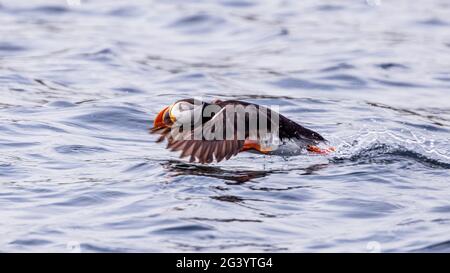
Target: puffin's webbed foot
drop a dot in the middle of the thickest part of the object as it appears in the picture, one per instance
(317, 150)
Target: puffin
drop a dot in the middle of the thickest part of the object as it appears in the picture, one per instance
(217, 130)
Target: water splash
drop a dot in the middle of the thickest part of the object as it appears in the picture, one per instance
(383, 146)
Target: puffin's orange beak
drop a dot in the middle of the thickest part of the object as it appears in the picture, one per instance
(159, 120)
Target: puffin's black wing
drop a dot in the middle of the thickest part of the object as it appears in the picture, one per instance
(206, 143)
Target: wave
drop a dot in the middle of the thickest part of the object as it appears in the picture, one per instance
(383, 153)
(442, 247)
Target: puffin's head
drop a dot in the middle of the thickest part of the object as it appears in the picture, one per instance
(181, 112)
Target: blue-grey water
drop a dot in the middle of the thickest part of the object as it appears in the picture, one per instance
(81, 82)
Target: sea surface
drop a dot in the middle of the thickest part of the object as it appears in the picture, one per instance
(82, 81)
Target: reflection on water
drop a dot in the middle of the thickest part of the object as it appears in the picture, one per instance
(177, 168)
(180, 169)
(81, 85)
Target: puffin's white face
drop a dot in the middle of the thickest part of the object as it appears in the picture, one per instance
(182, 112)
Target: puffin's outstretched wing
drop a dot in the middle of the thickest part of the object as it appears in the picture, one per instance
(208, 142)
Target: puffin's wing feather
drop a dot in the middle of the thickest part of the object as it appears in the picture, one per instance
(213, 142)
(163, 133)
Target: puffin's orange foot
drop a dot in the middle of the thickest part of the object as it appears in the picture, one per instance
(317, 150)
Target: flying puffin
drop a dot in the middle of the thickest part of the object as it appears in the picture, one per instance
(221, 129)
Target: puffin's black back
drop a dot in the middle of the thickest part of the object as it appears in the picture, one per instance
(288, 129)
